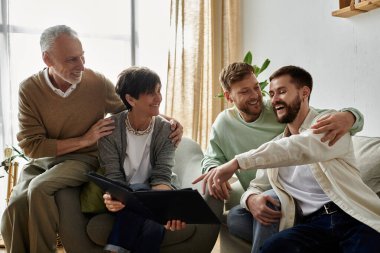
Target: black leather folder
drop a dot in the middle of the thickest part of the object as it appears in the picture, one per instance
(186, 205)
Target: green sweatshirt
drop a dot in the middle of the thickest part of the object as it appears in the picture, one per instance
(231, 135)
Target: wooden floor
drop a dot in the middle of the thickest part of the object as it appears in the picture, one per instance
(215, 250)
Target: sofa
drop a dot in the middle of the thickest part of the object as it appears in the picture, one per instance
(367, 152)
(81, 232)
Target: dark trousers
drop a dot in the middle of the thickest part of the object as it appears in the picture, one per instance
(134, 233)
(336, 232)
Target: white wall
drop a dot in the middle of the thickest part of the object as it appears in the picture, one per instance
(343, 55)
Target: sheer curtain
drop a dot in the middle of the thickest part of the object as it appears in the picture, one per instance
(7, 126)
(205, 36)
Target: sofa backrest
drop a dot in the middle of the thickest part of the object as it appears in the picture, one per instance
(367, 153)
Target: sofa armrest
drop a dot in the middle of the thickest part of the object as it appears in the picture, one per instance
(367, 153)
(73, 223)
(187, 166)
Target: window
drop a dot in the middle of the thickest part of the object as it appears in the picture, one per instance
(104, 28)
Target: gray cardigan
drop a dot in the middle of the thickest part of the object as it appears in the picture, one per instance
(112, 150)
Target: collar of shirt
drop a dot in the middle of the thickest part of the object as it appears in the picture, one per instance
(56, 90)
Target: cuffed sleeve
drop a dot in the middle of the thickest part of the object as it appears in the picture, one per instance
(258, 185)
(359, 120)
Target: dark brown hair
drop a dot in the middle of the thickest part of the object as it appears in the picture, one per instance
(234, 72)
(135, 81)
(299, 76)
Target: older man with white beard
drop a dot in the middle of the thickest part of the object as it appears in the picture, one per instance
(61, 118)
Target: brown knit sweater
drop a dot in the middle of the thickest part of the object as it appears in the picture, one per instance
(45, 117)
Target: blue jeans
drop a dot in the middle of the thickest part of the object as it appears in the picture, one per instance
(337, 232)
(241, 223)
(134, 233)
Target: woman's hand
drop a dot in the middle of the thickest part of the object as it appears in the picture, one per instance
(175, 225)
(161, 187)
(112, 205)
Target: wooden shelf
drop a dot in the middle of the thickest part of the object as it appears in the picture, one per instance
(352, 10)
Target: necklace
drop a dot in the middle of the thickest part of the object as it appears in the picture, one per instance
(138, 132)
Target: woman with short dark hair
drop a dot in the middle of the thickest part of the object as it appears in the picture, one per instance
(139, 153)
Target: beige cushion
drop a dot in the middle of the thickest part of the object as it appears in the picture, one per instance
(91, 197)
(367, 153)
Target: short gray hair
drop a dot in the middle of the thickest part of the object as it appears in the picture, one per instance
(49, 35)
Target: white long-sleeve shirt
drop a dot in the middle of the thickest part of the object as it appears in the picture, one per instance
(332, 166)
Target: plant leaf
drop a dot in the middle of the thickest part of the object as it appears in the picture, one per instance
(264, 66)
(5, 165)
(256, 70)
(20, 153)
(263, 85)
(248, 58)
(15, 149)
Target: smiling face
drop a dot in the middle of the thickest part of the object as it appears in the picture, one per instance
(287, 100)
(246, 96)
(147, 104)
(65, 60)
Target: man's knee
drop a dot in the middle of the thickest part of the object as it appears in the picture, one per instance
(271, 193)
(37, 188)
(239, 223)
(236, 214)
(67, 173)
